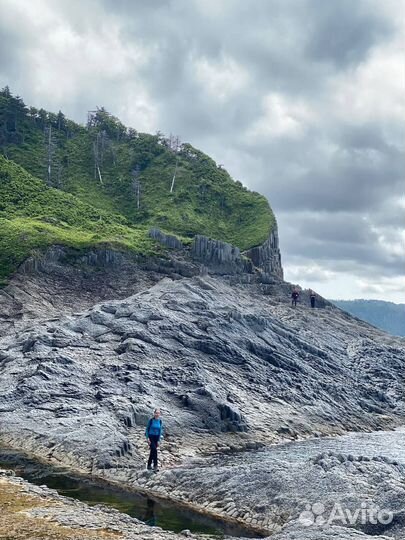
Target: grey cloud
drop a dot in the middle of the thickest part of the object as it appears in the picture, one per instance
(344, 31)
(391, 213)
(362, 137)
(357, 176)
(320, 181)
(337, 228)
(14, 45)
(341, 240)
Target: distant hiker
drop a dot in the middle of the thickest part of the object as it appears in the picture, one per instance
(294, 297)
(153, 434)
(312, 296)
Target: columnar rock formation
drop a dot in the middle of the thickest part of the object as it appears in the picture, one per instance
(267, 257)
(224, 258)
(218, 256)
(167, 240)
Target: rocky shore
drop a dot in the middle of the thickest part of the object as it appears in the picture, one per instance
(234, 369)
(271, 491)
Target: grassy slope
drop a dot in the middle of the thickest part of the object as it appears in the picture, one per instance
(34, 216)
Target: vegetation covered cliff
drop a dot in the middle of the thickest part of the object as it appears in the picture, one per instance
(61, 182)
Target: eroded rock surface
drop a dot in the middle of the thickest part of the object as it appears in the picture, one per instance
(217, 359)
(302, 487)
(64, 281)
(232, 367)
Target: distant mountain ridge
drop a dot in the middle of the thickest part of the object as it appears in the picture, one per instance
(385, 315)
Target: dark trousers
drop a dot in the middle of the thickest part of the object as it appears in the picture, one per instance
(154, 439)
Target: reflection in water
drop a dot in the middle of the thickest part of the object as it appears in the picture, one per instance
(169, 516)
(150, 517)
(389, 444)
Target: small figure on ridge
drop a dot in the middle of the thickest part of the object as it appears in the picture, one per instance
(294, 296)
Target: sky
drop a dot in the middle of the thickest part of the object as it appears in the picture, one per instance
(301, 100)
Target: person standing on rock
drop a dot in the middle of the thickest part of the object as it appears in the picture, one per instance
(294, 297)
(154, 433)
(312, 296)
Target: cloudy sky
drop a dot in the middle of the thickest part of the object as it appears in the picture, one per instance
(302, 100)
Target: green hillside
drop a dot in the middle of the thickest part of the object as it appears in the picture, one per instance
(34, 216)
(105, 169)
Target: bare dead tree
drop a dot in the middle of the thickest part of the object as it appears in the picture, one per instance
(136, 184)
(59, 175)
(91, 118)
(104, 144)
(50, 151)
(100, 143)
(96, 160)
(174, 145)
(49, 155)
(174, 175)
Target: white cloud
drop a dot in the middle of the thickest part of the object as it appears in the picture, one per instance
(308, 274)
(281, 117)
(222, 79)
(373, 89)
(385, 288)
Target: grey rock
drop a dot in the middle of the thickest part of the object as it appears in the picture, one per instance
(266, 354)
(167, 240)
(218, 255)
(223, 356)
(267, 257)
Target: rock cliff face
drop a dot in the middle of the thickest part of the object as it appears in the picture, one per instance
(267, 257)
(224, 258)
(219, 257)
(167, 240)
(65, 281)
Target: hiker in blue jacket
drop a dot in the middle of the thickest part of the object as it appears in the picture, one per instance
(153, 434)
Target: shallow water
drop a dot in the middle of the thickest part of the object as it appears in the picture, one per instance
(389, 444)
(152, 511)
